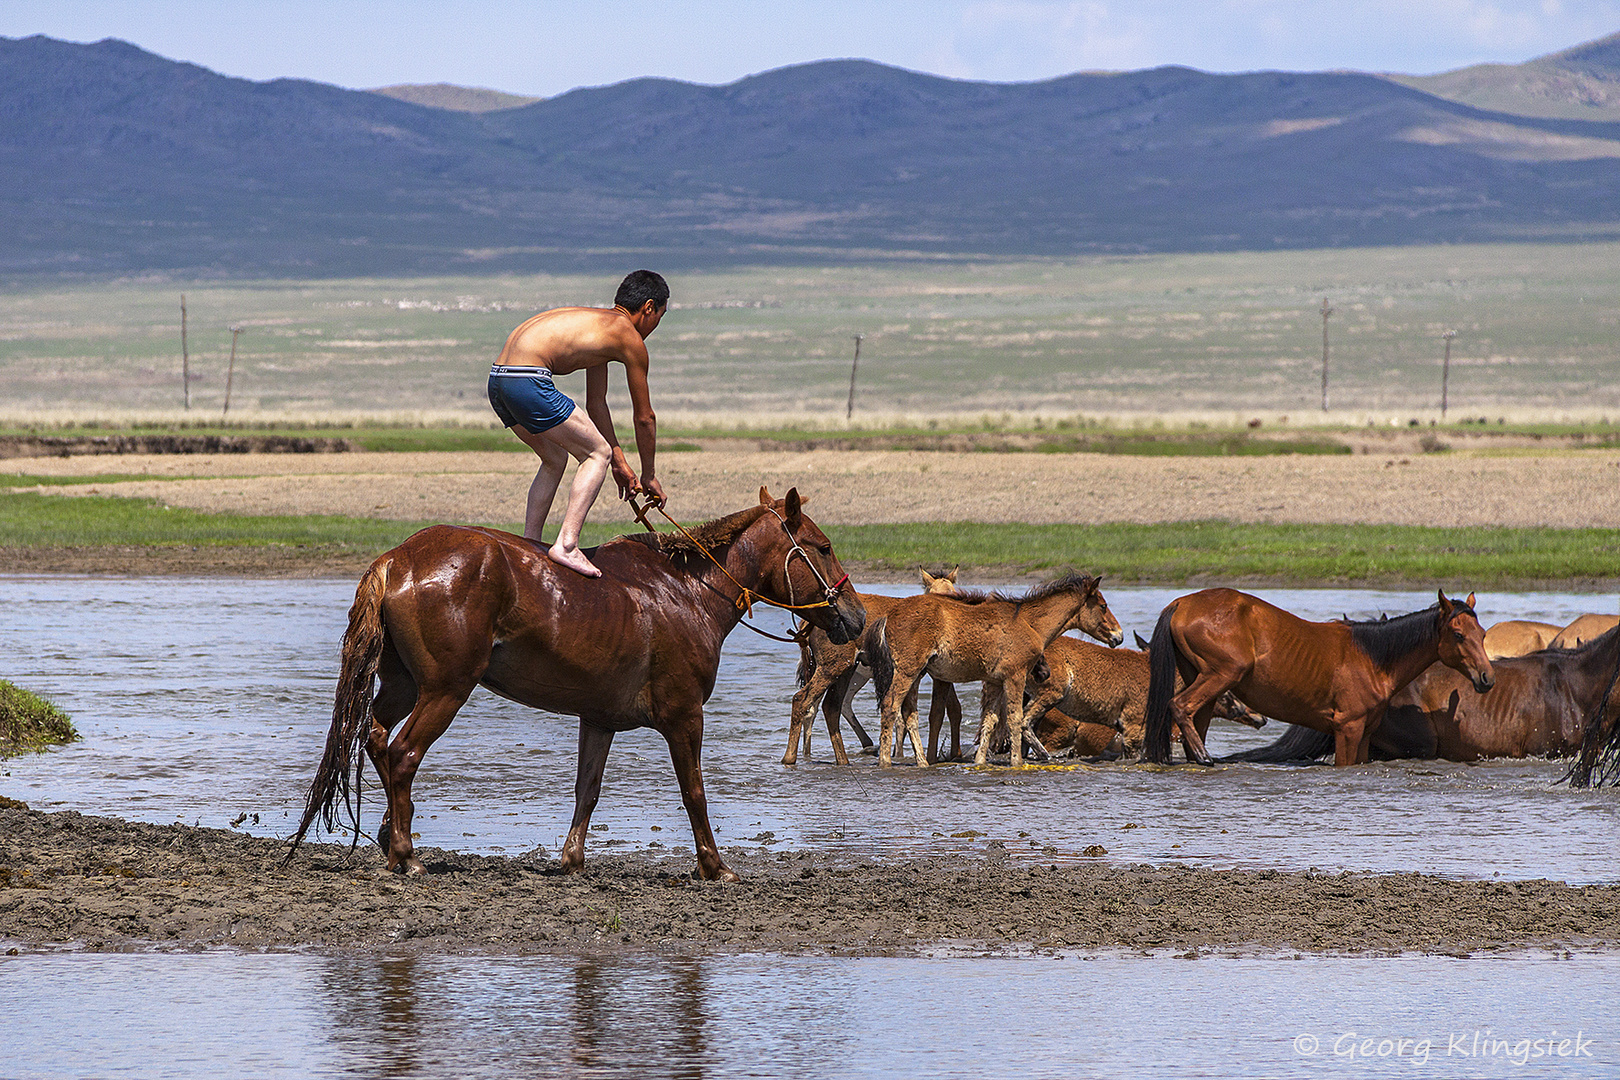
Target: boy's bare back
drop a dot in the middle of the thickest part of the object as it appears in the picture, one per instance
(565, 340)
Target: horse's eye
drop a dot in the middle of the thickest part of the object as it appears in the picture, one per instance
(826, 549)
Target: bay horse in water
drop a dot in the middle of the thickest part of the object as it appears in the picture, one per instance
(1335, 677)
(1541, 706)
(975, 637)
(453, 608)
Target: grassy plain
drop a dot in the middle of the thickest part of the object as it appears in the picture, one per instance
(1172, 553)
(1215, 338)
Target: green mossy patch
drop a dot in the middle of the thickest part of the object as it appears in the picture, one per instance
(30, 724)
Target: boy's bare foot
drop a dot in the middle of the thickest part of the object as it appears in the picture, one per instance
(574, 559)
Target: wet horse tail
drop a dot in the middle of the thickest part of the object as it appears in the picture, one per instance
(351, 713)
(1161, 688)
(1297, 744)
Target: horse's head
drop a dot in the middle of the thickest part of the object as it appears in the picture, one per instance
(1462, 642)
(943, 585)
(1094, 619)
(798, 567)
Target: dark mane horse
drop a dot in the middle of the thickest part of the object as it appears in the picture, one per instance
(1542, 705)
(453, 608)
(1335, 677)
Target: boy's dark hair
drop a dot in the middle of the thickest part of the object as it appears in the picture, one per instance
(640, 286)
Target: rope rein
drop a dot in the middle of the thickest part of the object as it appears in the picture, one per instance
(746, 596)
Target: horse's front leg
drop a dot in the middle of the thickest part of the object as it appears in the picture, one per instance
(990, 710)
(1012, 696)
(685, 737)
(594, 743)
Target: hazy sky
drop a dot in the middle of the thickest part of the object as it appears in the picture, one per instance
(544, 47)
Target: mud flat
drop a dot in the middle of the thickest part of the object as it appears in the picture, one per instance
(106, 883)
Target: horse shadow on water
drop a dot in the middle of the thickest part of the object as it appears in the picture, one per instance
(454, 607)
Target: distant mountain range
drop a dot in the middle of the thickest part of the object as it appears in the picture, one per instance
(114, 160)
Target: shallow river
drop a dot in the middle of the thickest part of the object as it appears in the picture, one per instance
(203, 700)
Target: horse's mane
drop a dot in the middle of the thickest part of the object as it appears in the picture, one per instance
(714, 535)
(1385, 640)
(1065, 583)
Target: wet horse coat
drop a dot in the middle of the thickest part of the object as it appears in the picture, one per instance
(1336, 677)
(453, 608)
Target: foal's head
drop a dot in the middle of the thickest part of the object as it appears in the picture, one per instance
(1462, 642)
(1094, 619)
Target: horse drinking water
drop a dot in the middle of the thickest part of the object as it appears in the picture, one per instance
(453, 608)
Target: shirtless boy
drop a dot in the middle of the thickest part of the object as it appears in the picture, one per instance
(560, 342)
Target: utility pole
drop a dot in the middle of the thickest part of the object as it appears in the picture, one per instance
(1327, 312)
(236, 331)
(849, 410)
(1445, 372)
(185, 357)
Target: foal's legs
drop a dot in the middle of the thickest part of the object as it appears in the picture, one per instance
(594, 743)
(836, 698)
(804, 710)
(685, 738)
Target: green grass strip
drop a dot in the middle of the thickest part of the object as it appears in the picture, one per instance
(1170, 553)
(1177, 552)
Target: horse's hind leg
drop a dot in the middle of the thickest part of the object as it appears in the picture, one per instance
(396, 697)
(594, 743)
(432, 714)
(812, 693)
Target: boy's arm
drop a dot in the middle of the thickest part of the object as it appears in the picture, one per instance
(646, 421)
(596, 407)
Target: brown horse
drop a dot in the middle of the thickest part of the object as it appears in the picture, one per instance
(1541, 706)
(1584, 629)
(453, 608)
(1096, 695)
(828, 674)
(1335, 676)
(975, 637)
(1516, 637)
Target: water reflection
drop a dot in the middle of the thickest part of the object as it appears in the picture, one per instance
(408, 1016)
(717, 1017)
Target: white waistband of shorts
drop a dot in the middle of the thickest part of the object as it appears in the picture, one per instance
(514, 369)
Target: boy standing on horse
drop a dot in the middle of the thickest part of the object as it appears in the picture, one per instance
(560, 342)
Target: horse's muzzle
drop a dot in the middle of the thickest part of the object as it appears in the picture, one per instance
(849, 621)
(1483, 682)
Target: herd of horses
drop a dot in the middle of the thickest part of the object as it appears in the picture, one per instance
(456, 607)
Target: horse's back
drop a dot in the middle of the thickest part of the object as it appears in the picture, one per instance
(1584, 629)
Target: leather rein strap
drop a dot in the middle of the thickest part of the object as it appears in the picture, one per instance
(746, 596)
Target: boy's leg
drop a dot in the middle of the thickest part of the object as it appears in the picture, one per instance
(579, 437)
(553, 460)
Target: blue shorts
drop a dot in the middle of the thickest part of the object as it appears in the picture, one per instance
(531, 401)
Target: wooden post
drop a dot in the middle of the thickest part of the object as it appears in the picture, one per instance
(230, 372)
(849, 410)
(185, 357)
(1445, 372)
(1326, 312)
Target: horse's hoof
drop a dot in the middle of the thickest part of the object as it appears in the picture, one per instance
(414, 867)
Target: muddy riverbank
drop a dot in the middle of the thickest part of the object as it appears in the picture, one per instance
(106, 883)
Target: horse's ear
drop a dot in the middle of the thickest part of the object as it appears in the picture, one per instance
(927, 578)
(765, 496)
(1445, 604)
(1470, 599)
(950, 575)
(793, 504)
